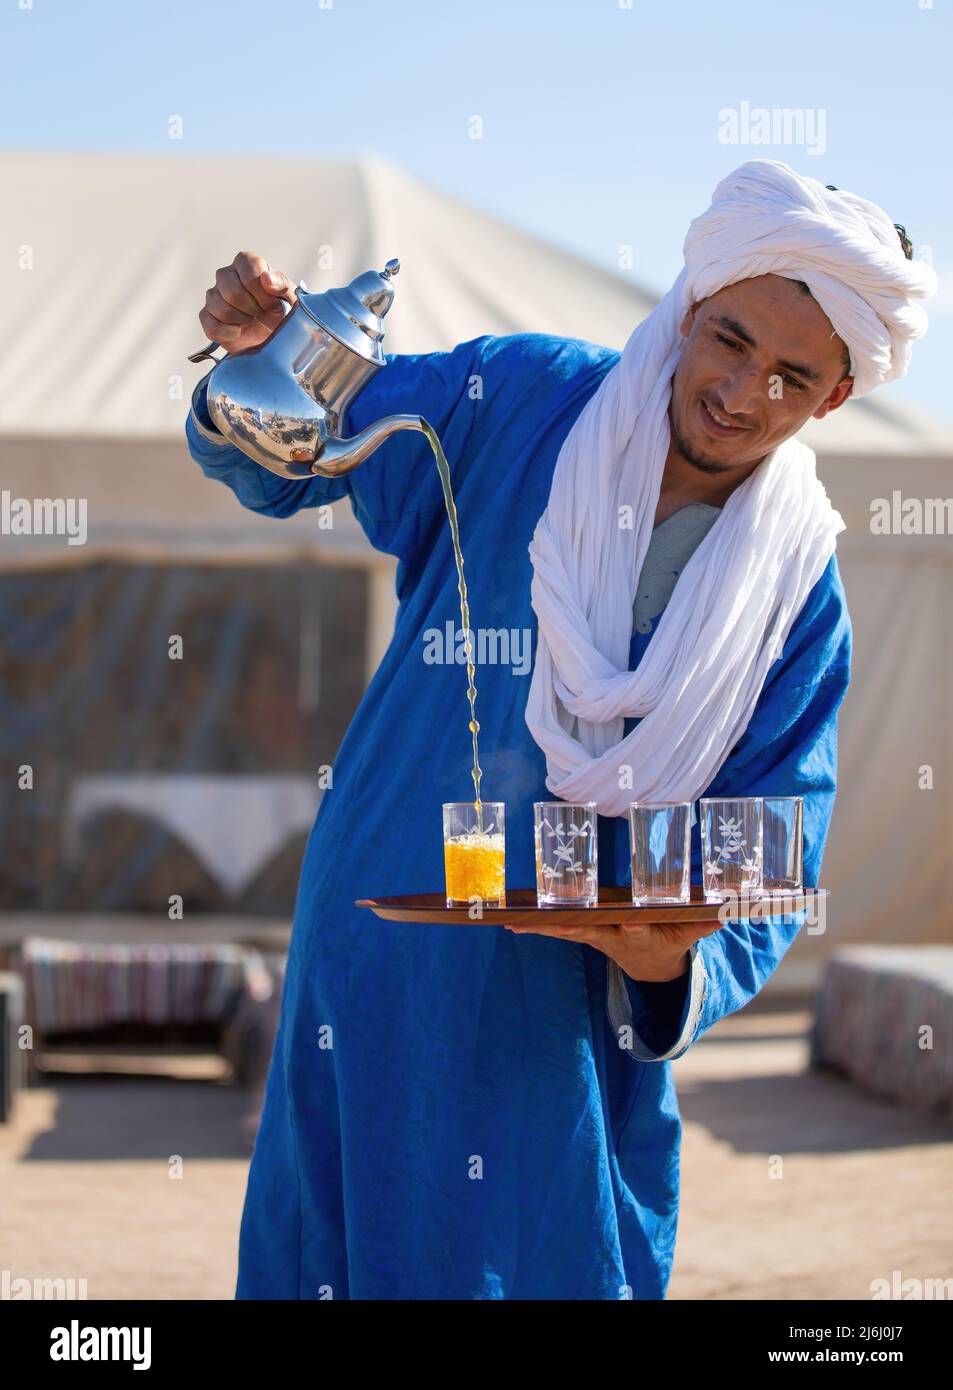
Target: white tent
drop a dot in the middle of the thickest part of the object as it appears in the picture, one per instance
(108, 259)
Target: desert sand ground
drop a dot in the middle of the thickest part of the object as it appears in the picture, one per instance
(85, 1190)
(865, 1185)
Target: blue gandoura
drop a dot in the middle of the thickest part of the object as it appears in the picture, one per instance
(469, 1113)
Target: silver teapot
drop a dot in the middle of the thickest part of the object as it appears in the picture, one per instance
(284, 402)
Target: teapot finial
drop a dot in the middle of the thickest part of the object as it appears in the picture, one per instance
(354, 314)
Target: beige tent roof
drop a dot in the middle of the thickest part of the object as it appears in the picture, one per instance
(114, 254)
(112, 257)
(124, 247)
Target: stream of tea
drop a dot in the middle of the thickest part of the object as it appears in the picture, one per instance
(475, 861)
(443, 468)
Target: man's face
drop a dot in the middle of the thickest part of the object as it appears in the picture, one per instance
(763, 356)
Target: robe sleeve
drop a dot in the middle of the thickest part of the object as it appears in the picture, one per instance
(395, 493)
(788, 749)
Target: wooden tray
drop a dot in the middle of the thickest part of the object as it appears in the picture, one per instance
(615, 908)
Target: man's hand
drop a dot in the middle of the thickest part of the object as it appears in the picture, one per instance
(652, 953)
(243, 309)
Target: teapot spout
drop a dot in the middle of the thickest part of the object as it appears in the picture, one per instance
(339, 456)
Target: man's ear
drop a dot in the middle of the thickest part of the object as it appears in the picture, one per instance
(836, 399)
(685, 327)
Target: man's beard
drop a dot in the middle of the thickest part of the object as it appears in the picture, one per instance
(692, 457)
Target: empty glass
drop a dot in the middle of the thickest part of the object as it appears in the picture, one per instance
(732, 846)
(567, 850)
(783, 843)
(474, 853)
(660, 844)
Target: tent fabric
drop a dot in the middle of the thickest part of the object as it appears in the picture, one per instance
(122, 340)
(128, 745)
(235, 825)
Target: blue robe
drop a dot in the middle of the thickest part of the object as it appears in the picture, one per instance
(478, 1128)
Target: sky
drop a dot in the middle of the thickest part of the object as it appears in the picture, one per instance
(600, 121)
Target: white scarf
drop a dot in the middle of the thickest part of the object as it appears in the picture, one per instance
(733, 606)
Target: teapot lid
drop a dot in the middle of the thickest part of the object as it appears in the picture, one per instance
(355, 314)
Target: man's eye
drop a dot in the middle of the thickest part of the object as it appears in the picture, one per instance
(792, 381)
(729, 342)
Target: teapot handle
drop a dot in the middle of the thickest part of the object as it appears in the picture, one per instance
(208, 352)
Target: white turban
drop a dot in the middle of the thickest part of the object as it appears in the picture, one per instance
(765, 219)
(733, 606)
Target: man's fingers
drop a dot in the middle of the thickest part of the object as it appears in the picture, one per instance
(701, 929)
(216, 331)
(611, 939)
(225, 312)
(565, 933)
(534, 931)
(278, 285)
(249, 269)
(230, 289)
(602, 937)
(676, 931)
(260, 282)
(599, 936)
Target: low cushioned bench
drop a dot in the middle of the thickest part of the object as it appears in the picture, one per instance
(884, 1017)
(105, 993)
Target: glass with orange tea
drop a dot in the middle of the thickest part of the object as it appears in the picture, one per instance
(474, 853)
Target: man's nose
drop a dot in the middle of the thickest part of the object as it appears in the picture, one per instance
(743, 391)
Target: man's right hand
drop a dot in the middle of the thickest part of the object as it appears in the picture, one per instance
(242, 308)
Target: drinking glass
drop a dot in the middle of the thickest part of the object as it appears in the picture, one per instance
(783, 843)
(660, 844)
(474, 853)
(567, 852)
(732, 845)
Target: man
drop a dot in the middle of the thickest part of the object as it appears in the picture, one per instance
(477, 1113)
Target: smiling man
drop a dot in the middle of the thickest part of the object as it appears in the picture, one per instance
(756, 402)
(479, 1113)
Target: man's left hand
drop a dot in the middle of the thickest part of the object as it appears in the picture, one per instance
(652, 953)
